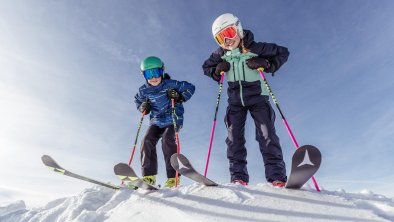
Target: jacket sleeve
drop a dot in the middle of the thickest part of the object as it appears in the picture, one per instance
(275, 54)
(185, 88)
(210, 64)
(139, 98)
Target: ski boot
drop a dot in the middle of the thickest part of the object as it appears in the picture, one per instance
(239, 182)
(171, 182)
(278, 183)
(150, 179)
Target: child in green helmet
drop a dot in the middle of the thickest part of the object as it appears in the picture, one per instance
(154, 98)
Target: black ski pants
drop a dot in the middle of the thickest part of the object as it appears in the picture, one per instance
(148, 149)
(264, 117)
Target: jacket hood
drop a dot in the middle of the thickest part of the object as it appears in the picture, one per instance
(248, 38)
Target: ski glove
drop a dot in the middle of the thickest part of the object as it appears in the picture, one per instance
(173, 94)
(257, 62)
(224, 66)
(145, 107)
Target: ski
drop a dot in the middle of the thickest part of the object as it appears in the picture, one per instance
(305, 162)
(51, 163)
(180, 163)
(127, 174)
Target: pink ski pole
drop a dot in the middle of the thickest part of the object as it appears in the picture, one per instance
(284, 120)
(214, 123)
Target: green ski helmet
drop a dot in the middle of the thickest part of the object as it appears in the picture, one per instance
(151, 62)
(152, 66)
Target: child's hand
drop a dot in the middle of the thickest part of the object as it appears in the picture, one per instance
(257, 62)
(173, 94)
(224, 66)
(145, 107)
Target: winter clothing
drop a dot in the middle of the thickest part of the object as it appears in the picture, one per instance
(173, 94)
(171, 182)
(247, 92)
(257, 62)
(144, 107)
(161, 121)
(149, 179)
(263, 116)
(161, 112)
(224, 21)
(224, 66)
(151, 62)
(148, 149)
(276, 55)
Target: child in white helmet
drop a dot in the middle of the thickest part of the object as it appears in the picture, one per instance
(239, 56)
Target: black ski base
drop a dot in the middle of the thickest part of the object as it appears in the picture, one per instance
(305, 162)
(127, 174)
(51, 163)
(181, 164)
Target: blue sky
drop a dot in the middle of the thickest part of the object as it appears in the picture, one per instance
(69, 71)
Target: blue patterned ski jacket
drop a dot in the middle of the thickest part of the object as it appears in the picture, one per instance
(161, 110)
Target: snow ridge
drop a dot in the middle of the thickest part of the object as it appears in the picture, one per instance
(193, 203)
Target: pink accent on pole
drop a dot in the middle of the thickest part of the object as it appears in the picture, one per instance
(210, 147)
(214, 125)
(291, 133)
(286, 124)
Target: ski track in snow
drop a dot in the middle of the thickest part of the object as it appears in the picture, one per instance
(193, 203)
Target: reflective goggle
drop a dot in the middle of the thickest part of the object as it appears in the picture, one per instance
(227, 33)
(153, 73)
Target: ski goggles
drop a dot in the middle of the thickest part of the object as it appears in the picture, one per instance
(227, 33)
(153, 73)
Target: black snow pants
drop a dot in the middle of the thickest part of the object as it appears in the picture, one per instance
(264, 117)
(148, 149)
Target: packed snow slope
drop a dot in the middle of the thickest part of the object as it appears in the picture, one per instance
(196, 203)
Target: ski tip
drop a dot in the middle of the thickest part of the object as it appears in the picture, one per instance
(124, 170)
(50, 162)
(45, 158)
(120, 166)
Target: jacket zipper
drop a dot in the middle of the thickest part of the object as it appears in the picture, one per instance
(234, 72)
(240, 84)
(243, 70)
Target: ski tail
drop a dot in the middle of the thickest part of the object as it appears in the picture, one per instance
(126, 173)
(181, 164)
(306, 161)
(51, 163)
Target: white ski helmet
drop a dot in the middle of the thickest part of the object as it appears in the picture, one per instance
(224, 21)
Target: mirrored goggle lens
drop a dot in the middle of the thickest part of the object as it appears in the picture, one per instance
(229, 33)
(153, 73)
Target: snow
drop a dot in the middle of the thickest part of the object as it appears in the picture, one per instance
(192, 203)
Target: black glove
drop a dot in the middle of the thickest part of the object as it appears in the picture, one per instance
(224, 66)
(173, 94)
(257, 62)
(145, 107)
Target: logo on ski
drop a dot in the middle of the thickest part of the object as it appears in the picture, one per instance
(181, 166)
(306, 160)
